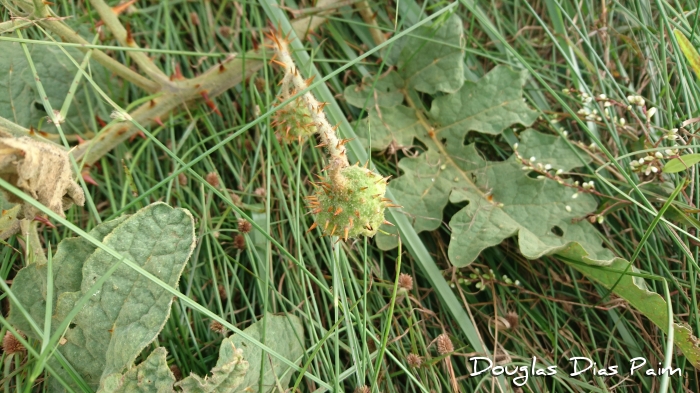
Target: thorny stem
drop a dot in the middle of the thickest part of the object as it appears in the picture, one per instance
(110, 19)
(210, 84)
(329, 139)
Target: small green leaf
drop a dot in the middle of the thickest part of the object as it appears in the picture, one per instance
(681, 163)
(689, 51)
(151, 376)
(432, 58)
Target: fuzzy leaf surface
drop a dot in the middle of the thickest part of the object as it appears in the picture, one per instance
(226, 376)
(283, 334)
(151, 376)
(19, 97)
(129, 311)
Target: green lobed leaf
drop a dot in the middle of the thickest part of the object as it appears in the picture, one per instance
(129, 311)
(151, 376)
(634, 290)
(20, 101)
(432, 58)
(681, 163)
(502, 201)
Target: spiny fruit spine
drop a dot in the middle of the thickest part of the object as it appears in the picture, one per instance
(349, 201)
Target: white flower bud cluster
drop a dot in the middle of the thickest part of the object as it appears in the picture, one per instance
(636, 100)
(651, 164)
(672, 134)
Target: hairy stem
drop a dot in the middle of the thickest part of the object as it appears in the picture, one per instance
(329, 139)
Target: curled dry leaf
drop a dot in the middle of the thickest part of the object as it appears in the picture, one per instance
(42, 170)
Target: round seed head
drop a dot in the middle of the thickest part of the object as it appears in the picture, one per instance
(405, 282)
(213, 179)
(244, 226)
(444, 344)
(414, 360)
(10, 344)
(353, 208)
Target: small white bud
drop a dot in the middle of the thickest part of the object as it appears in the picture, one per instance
(658, 155)
(568, 208)
(533, 159)
(641, 161)
(622, 121)
(540, 177)
(547, 167)
(515, 146)
(565, 133)
(600, 219)
(602, 97)
(650, 113)
(560, 171)
(574, 195)
(654, 169)
(526, 168)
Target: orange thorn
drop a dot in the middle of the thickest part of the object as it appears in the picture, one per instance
(279, 63)
(312, 227)
(388, 223)
(345, 233)
(129, 37)
(119, 9)
(308, 81)
(325, 226)
(88, 179)
(338, 211)
(158, 121)
(335, 226)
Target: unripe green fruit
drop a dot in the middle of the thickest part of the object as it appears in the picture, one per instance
(294, 122)
(354, 207)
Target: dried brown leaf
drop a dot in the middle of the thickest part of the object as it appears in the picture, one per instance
(42, 170)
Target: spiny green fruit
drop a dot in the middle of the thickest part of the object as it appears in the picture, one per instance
(353, 208)
(293, 122)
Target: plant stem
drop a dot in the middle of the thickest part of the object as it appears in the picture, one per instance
(369, 18)
(329, 139)
(110, 19)
(213, 82)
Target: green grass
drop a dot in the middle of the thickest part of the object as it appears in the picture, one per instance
(360, 329)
